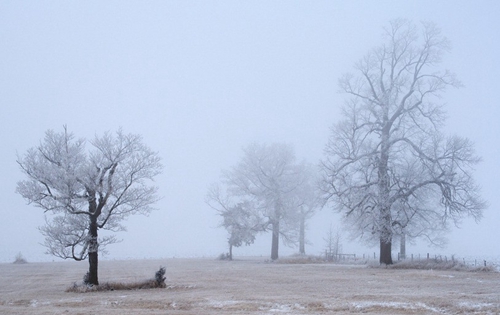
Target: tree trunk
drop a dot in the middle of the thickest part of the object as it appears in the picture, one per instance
(230, 251)
(93, 252)
(385, 236)
(402, 246)
(275, 242)
(385, 252)
(384, 205)
(302, 236)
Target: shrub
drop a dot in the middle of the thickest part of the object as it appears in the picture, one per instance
(20, 259)
(224, 256)
(86, 278)
(160, 277)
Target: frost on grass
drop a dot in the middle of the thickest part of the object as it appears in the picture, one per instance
(364, 306)
(222, 304)
(473, 306)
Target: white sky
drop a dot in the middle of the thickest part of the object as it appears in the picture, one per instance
(201, 79)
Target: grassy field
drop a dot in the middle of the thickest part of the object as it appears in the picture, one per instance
(249, 286)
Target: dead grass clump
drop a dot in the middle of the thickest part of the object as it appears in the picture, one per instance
(157, 282)
(224, 256)
(312, 259)
(114, 286)
(301, 259)
(317, 307)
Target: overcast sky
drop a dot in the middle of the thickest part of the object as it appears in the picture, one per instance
(199, 80)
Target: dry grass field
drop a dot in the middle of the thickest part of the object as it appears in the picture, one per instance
(252, 286)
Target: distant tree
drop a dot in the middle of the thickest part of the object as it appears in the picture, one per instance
(263, 186)
(88, 190)
(307, 199)
(387, 165)
(241, 221)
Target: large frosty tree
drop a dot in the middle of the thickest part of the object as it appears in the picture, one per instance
(83, 191)
(261, 192)
(388, 168)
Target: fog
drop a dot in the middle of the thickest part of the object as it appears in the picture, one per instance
(199, 80)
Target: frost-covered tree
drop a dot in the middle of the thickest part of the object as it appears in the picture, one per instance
(387, 165)
(242, 224)
(307, 199)
(83, 191)
(241, 220)
(265, 182)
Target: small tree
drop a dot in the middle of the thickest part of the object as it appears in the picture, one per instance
(84, 191)
(333, 244)
(240, 220)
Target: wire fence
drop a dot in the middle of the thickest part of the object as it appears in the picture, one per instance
(466, 260)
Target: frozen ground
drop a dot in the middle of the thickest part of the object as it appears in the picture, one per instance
(251, 286)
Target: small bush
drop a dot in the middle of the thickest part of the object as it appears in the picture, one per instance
(160, 277)
(20, 259)
(224, 256)
(301, 259)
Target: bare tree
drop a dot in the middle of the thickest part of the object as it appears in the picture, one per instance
(265, 181)
(84, 191)
(333, 244)
(388, 167)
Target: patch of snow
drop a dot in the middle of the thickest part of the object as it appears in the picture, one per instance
(395, 305)
(221, 304)
(429, 308)
(280, 308)
(475, 306)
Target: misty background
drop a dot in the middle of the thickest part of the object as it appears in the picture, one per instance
(199, 80)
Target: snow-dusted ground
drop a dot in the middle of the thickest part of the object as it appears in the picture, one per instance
(249, 286)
